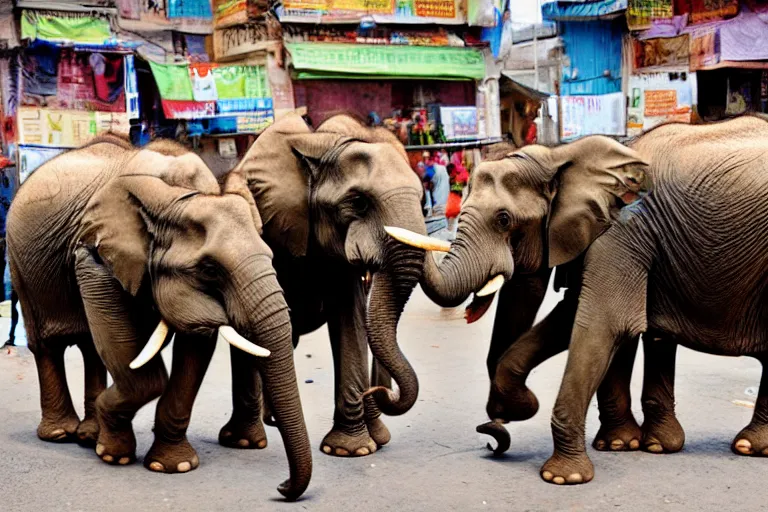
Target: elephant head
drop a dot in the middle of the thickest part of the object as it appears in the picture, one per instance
(332, 191)
(170, 233)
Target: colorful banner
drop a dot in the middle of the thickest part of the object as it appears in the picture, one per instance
(593, 115)
(380, 11)
(380, 35)
(325, 60)
(193, 16)
(237, 12)
(66, 128)
(662, 52)
(655, 98)
(173, 81)
(640, 13)
(65, 27)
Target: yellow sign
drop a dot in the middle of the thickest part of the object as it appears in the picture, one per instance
(370, 6)
(67, 128)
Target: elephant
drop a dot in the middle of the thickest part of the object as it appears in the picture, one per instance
(528, 211)
(106, 242)
(324, 197)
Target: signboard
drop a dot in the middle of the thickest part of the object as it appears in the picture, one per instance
(66, 128)
(460, 122)
(656, 98)
(326, 60)
(593, 115)
(242, 39)
(444, 12)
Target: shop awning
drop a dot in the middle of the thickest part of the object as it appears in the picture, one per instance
(359, 61)
(510, 81)
(581, 11)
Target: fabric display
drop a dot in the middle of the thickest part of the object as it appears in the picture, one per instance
(640, 13)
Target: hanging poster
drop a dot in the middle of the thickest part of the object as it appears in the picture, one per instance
(656, 98)
(173, 82)
(281, 85)
(379, 11)
(662, 52)
(66, 128)
(65, 27)
(640, 13)
(90, 81)
(459, 122)
(705, 46)
(593, 115)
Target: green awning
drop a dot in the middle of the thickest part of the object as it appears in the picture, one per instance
(358, 61)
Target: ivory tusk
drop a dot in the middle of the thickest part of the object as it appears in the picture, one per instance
(233, 338)
(152, 347)
(417, 240)
(491, 286)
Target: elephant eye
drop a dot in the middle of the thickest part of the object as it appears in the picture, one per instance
(359, 203)
(503, 220)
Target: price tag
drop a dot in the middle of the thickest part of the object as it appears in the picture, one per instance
(227, 148)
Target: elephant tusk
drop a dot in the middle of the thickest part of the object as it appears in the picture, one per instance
(233, 338)
(417, 240)
(152, 347)
(491, 286)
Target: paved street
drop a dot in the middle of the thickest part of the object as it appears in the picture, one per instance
(435, 461)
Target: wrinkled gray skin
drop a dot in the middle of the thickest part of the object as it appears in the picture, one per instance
(103, 242)
(325, 197)
(689, 261)
(527, 211)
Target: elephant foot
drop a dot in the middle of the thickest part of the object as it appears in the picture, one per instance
(752, 440)
(117, 448)
(166, 457)
(239, 434)
(571, 470)
(343, 444)
(59, 430)
(665, 435)
(378, 432)
(623, 437)
(88, 432)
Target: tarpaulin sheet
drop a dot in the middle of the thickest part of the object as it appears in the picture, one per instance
(358, 61)
(565, 11)
(745, 37)
(64, 27)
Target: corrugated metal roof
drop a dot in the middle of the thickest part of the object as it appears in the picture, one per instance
(573, 11)
(593, 51)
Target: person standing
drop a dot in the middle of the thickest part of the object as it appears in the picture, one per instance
(440, 189)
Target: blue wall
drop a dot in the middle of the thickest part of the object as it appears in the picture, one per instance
(592, 47)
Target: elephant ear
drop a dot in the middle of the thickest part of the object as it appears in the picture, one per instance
(118, 219)
(278, 168)
(593, 179)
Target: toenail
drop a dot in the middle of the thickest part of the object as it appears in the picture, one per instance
(156, 466)
(575, 478)
(195, 461)
(100, 449)
(57, 432)
(226, 434)
(617, 444)
(546, 475)
(654, 448)
(262, 443)
(634, 444)
(326, 449)
(362, 451)
(124, 461)
(244, 443)
(108, 458)
(183, 467)
(600, 444)
(342, 452)
(744, 446)
(559, 480)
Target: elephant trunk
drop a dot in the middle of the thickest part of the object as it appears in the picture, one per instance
(266, 314)
(474, 258)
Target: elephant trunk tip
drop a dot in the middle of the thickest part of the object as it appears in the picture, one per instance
(496, 430)
(290, 491)
(391, 403)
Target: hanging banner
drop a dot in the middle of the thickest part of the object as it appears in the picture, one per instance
(90, 81)
(662, 53)
(327, 60)
(173, 82)
(593, 115)
(705, 46)
(66, 128)
(656, 98)
(381, 35)
(379, 11)
(640, 13)
(192, 16)
(65, 27)
(281, 85)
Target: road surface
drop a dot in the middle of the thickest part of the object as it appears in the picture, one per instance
(435, 461)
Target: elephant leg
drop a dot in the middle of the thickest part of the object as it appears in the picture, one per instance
(245, 429)
(753, 439)
(662, 433)
(376, 428)
(118, 335)
(95, 384)
(171, 451)
(59, 422)
(619, 430)
(349, 435)
(519, 302)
